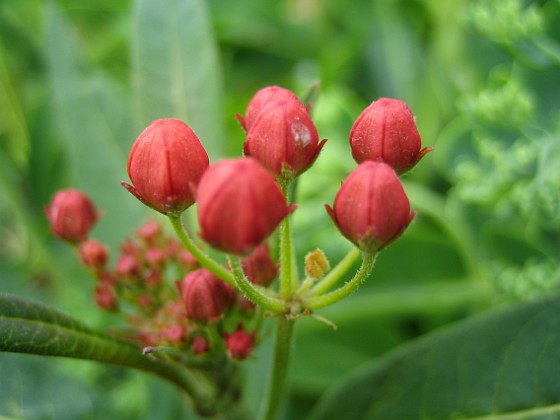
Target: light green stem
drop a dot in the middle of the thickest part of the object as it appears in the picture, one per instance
(196, 252)
(288, 271)
(334, 276)
(277, 383)
(317, 302)
(250, 291)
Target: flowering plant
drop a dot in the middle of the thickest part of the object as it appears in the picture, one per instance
(226, 278)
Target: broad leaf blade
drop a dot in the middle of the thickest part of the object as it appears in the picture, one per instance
(31, 327)
(176, 69)
(504, 365)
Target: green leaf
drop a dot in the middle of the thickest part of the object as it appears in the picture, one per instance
(503, 365)
(176, 70)
(30, 327)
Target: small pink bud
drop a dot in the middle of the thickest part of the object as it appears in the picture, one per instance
(283, 137)
(105, 296)
(71, 215)
(172, 334)
(259, 267)
(199, 345)
(155, 257)
(163, 163)
(262, 99)
(93, 254)
(239, 344)
(386, 131)
(149, 231)
(239, 205)
(128, 265)
(205, 296)
(371, 208)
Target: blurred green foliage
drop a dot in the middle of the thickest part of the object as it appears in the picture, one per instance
(80, 79)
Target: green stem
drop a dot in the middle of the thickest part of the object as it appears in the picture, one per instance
(288, 267)
(317, 302)
(334, 276)
(250, 291)
(277, 383)
(196, 252)
(288, 274)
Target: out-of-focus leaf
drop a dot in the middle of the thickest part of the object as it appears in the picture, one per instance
(94, 123)
(13, 129)
(176, 71)
(502, 365)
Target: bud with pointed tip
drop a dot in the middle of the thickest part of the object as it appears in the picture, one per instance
(71, 215)
(166, 159)
(239, 205)
(386, 132)
(283, 137)
(205, 296)
(261, 100)
(371, 208)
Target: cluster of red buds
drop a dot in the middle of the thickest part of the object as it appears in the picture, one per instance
(171, 295)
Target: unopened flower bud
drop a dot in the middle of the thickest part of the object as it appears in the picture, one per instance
(283, 137)
(316, 264)
(105, 296)
(386, 131)
(71, 215)
(239, 344)
(164, 163)
(261, 100)
(205, 296)
(239, 205)
(199, 345)
(93, 254)
(371, 208)
(259, 267)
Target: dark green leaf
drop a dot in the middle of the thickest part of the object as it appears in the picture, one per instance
(30, 327)
(503, 365)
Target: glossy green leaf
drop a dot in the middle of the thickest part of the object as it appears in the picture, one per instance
(176, 71)
(502, 365)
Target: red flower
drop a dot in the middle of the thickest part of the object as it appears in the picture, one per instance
(239, 344)
(239, 205)
(386, 131)
(205, 296)
(283, 137)
(259, 267)
(93, 254)
(71, 215)
(262, 99)
(371, 208)
(163, 163)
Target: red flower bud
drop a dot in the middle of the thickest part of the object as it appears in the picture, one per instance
(263, 98)
(200, 345)
(386, 131)
(71, 215)
(93, 254)
(163, 163)
(259, 267)
(239, 343)
(239, 205)
(205, 296)
(283, 136)
(371, 208)
(105, 296)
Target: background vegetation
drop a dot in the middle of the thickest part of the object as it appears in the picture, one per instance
(80, 79)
